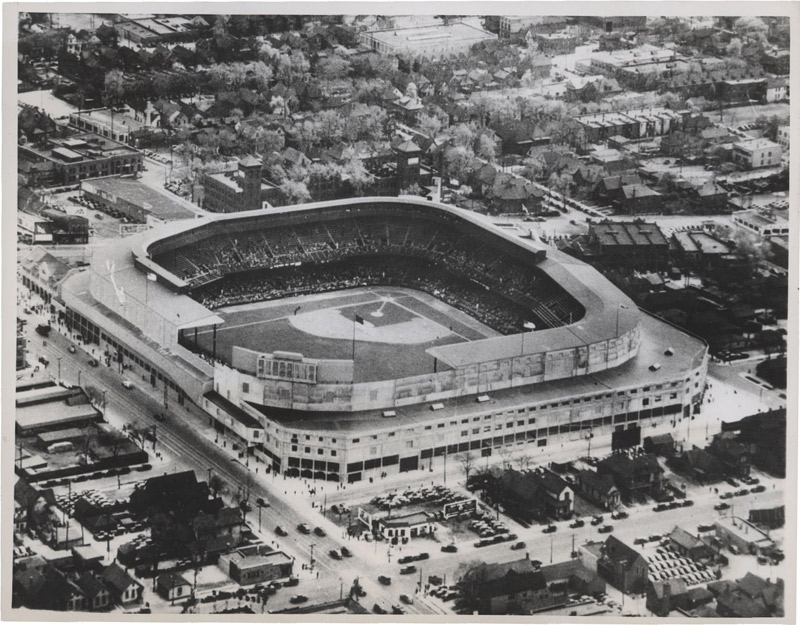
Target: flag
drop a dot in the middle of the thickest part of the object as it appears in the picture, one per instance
(152, 277)
(359, 319)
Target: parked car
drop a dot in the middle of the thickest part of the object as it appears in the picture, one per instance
(127, 384)
(346, 552)
(606, 529)
(722, 506)
(518, 545)
(398, 609)
(384, 580)
(422, 556)
(303, 528)
(298, 599)
(71, 349)
(319, 532)
(705, 528)
(281, 532)
(549, 529)
(619, 514)
(335, 554)
(378, 609)
(597, 519)
(159, 416)
(292, 581)
(93, 363)
(727, 495)
(408, 570)
(577, 523)
(732, 482)
(261, 502)
(406, 599)
(451, 548)
(758, 489)
(688, 503)
(640, 541)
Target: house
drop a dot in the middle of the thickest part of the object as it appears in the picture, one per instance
(172, 586)
(636, 476)
(777, 88)
(48, 589)
(733, 455)
(665, 596)
(599, 489)
(751, 597)
(534, 495)
(637, 199)
(622, 566)
(688, 545)
(516, 587)
(699, 465)
(177, 493)
(659, 444)
(224, 522)
(124, 589)
(511, 193)
(574, 577)
(98, 597)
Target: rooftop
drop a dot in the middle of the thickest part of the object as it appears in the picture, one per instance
(628, 233)
(159, 204)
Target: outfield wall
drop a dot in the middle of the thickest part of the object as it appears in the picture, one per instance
(472, 379)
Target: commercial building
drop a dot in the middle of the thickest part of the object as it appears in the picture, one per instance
(632, 124)
(630, 243)
(741, 535)
(765, 223)
(137, 201)
(106, 122)
(431, 41)
(235, 191)
(513, 25)
(82, 156)
(256, 564)
(757, 153)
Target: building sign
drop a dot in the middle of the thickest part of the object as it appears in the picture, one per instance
(286, 369)
(455, 508)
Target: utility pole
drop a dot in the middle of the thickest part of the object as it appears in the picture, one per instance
(551, 549)
(58, 358)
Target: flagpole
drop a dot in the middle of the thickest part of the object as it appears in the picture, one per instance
(354, 344)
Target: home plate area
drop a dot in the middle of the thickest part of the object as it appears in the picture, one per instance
(381, 321)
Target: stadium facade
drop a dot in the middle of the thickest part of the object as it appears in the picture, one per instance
(594, 363)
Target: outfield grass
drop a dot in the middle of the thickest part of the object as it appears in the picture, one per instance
(267, 327)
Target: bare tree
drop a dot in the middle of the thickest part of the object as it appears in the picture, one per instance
(523, 461)
(467, 461)
(505, 456)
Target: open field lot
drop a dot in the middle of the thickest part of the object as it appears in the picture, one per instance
(398, 326)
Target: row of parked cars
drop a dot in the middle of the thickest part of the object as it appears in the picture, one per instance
(499, 538)
(672, 505)
(426, 494)
(743, 492)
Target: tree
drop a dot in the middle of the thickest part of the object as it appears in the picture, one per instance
(429, 124)
(471, 577)
(505, 456)
(333, 68)
(113, 87)
(467, 461)
(523, 461)
(458, 161)
(412, 189)
(356, 174)
(217, 485)
(295, 192)
(486, 147)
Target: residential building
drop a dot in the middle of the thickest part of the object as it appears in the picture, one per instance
(734, 456)
(97, 596)
(622, 566)
(516, 25)
(123, 588)
(256, 564)
(172, 586)
(639, 199)
(80, 157)
(534, 495)
(631, 124)
(574, 577)
(659, 444)
(236, 191)
(688, 545)
(665, 596)
(636, 243)
(757, 153)
(784, 136)
(699, 465)
(636, 476)
(776, 61)
(765, 434)
(224, 522)
(777, 89)
(432, 41)
(516, 587)
(614, 23)
(751, 597)
(599, 489)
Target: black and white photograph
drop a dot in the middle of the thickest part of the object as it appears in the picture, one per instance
(390, 314)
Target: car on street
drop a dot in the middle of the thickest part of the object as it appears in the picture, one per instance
(384, 580)
(688, 503)
(518, 545)
(261, 502)
(408, 570)
(319, 532)
(93, 363)
(577, 523)
(292, 581)
(597, 519)
(159, 416)
(606, 529)
(406, 599)
(758, 489)
(549, 529)
(303, 528)
(451, 548)
(379, 609)
(398, 609)
(732, 482)
(722, 506)
(619, 514)
(298, 599)
(640, 541)
(280, 531)
(654, 537)
(705, 528)
(346, 552)
(335, 554)
(728, 495)
(71, 349)
(127, 384)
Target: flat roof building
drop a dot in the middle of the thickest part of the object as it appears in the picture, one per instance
(431, 41)
(757, 153)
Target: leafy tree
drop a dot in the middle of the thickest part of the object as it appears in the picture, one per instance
(429, 124)
(295, 192)
(458, 160)
(113, 87)
(357, 175)
(486, 147)
(365, 123)
(333, 68)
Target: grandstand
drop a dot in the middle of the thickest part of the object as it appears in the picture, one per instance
(471, 323)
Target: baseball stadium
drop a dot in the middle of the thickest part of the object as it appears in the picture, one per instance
(341, 339)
